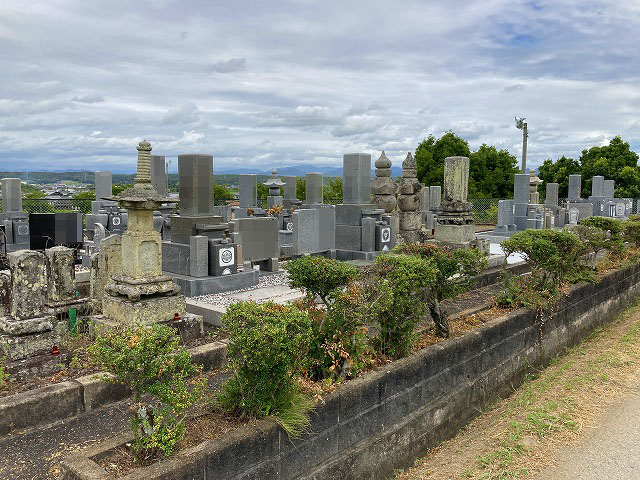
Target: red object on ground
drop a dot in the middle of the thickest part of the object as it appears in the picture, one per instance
(55, 350)
(176, 317)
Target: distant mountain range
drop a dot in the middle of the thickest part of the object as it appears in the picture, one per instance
(297, 170)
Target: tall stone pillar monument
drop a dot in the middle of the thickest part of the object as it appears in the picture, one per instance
(142, 293)
(454, 224)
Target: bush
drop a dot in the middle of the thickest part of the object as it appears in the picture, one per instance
(454, 272)
(149, 360)
(594, 238)
(554, 257)
(612, 227)
(407, 279)
(339, 348)
(267, 350)
(632, 231)
(319, 275)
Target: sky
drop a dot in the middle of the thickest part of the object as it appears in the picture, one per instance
(277, 83)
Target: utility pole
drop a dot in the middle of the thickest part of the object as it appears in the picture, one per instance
(522, 125)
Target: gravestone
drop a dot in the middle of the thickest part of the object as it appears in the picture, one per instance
(454, 224)
(575, 187)
(248, 190)
(259, 240)
(609, 189)
(104, 184)
(551, 197)
(107, 263)
(11, 196)
(314, 190)
(159, 174)
(192, 256)
(505, 225)
(290, 195)
(195, 177)
(585, 209)
(351, 234)
(597, 186)
(356, 178)
(28, 284)
(521, 200)
(61, 276)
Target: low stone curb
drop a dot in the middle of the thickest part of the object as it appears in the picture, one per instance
(70, 398)
(375, 424)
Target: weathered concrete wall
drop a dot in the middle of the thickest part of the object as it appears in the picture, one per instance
(383, 421)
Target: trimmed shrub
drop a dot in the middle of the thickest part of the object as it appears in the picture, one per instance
(555, 259)
(455, 270)
(407, 279)
(149, 360)
(340, 348)
(612, 227)
(268, 345)
(632, 231)
(319, 275)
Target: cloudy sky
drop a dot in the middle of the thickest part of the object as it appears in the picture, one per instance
(269, 83)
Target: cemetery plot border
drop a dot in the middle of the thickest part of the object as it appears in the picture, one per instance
(384, 420)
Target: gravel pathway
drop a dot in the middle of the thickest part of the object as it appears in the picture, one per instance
(225, 299)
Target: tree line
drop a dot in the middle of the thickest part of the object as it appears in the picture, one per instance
(491, 170)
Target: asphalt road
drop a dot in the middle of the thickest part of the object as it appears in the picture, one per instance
(611, 451)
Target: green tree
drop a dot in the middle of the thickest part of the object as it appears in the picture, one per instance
(431, 153)
(333, 191)
(615, 161)
(222, 192)
(119, 188)
(558, 172)
(301, 188)
(491, 172)
(86, 195)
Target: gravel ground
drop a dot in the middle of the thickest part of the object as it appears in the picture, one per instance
(225, 299)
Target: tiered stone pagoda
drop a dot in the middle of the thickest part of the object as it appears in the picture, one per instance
(409, 201)
(383, 187)
(142, 293)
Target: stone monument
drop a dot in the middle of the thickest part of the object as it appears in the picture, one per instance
(17, 232)
(409, 202)
(534, 181)
(274, 199)
(383, 187)
(362, 229)
(454, 224)
(142, 293)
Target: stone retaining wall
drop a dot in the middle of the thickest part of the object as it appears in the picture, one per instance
(383, 421)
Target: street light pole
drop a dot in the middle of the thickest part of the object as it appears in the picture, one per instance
(521, 124)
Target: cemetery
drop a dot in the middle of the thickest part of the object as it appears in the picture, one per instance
(295, 338)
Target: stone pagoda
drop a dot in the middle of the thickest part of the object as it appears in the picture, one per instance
(274, 198)
(409, 201)
(383, 187)
(141, 293)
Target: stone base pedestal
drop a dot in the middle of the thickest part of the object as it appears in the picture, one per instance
(196, 286)
(189, 327)
(25, 327)
(146, 310)
(459, 234)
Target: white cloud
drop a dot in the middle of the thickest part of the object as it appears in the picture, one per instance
(89, 98)
(182, 115)
(221, 78)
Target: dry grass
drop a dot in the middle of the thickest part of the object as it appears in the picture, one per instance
(519, 435)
